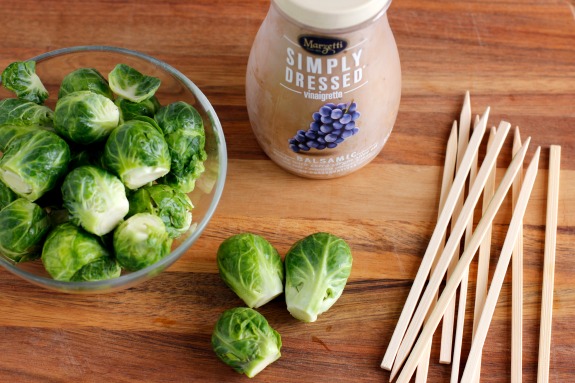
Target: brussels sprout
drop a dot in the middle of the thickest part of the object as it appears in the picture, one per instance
(244, 340)
(14, 111)
(95, 199)
(137, 153)
(130, 109)
(21, 78)
(130, 84)
(10, 132)
(171, 205)
(33, 162)
(252, 268)
(85, 79)
(85, 117)
(7, 196)
(184, 132)
(101, 269)
(317, 268)
(91, 155)
(69, 249)
(23, 225)
(141, 241)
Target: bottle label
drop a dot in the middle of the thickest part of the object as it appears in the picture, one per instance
(323, 105)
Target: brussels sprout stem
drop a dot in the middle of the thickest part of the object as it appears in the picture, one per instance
(16, 183)
(141, 176)
(307, 302)
(272, 354)
(269, 294)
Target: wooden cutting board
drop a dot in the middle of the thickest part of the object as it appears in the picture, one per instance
(516, 56)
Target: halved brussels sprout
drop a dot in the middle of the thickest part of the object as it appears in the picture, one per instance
(137, 153)
(21, 78)
(317, 268)
(184, 132)
(171, 205)
(85, 79)
(23, 226)
(85, 117)
(95, 199)
(130, 84)
(69, 249)
(141, 241)
(244, 340)
(33, 162)
(15, 111)
(252, 268)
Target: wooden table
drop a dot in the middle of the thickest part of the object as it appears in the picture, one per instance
(517, 56)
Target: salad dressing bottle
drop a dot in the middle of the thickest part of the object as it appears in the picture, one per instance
(323, 84)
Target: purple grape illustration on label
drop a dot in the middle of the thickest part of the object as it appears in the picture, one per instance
(331, 125)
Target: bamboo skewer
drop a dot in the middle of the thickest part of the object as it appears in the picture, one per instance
(459, 325)
(465, 260)
(517, 283)
(501, 269)
(549, 264)
(446, 183)
(449, 316)
(452, 242)
(485, 247)
(427, 260)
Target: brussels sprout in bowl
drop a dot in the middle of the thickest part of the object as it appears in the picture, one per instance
(202, 184)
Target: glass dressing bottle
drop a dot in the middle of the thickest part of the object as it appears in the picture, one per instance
(323, 84)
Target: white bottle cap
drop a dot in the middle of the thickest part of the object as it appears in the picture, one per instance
(332, 14)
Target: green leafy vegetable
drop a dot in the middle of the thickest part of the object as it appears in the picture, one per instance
(95, 199)
(10, 132)
(137, 153)
(317, 268)
(171, 205)
(23, 226)
(141, 241)
(252, 268)
(101, 269)
(131, 84)
(85, 117)
(21, 78)
(68, 249)
(244, 340)
(85, 79)
(184, 132)
(130, 109)
(15, 111)
(7, 196)
(33, 162)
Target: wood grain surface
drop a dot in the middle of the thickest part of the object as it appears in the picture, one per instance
(516, 56)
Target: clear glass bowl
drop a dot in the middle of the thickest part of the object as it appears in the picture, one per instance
(52, 67)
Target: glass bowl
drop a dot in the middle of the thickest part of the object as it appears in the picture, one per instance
(52, 67)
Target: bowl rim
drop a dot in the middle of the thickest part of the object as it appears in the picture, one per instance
(127, 280)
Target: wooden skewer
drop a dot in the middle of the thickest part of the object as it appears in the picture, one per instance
(449, 316)
(501, 269)
(517, 283)
(446, 182)
(549, 264)
(464, 261)
(451, 245)
(484, 248)
(432, 247)
(464, 285)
